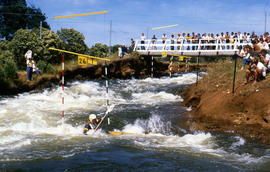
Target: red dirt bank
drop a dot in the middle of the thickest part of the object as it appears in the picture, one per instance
(216, 109)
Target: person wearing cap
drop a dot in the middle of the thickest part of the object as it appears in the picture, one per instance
(29, 63)
(92, 123)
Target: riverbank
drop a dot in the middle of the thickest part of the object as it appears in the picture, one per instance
(216, 109)
(129, 67)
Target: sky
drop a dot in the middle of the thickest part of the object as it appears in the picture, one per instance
(130, 18)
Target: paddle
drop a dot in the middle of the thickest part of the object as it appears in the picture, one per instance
(106, 113)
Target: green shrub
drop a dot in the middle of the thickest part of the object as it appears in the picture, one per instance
(2, 74)
(50, 69)
(10, 70)
(46, 68)
(42, 66)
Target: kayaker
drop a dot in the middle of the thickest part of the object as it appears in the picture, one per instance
(92, 123)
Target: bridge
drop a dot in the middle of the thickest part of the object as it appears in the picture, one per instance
(189, 47)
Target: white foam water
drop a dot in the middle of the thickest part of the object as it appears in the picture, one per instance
(34, 120)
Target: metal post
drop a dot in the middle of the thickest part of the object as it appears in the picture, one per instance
(152, 68)
(234, 73)
(40, 29)
(265, 20)
(147, 32)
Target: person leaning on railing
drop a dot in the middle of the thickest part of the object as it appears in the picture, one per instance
(143, 41)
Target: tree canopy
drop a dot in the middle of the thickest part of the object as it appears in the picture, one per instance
(15, 15)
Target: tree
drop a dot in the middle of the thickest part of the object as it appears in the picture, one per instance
(73, 41)
(99, 50)
(15, 15)
(24, 40)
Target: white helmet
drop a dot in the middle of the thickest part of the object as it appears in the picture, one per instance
(92, 116)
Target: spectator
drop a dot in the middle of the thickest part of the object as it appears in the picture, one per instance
(164, 37)
(124, 51)
(204, 40)
(188, 38)
(252, 35)
(222, 40)
(217, 38)
(132, 45)
(267, 38)
(246, 56)
(35, 68)
(198, 39)
(154, 40)
(248, 37)
(29, 64)
(263, 45)
(240, 52)
(257, 70)
(266, 60)
(143, 41)
(212, 41)
(120, 51)
(245, 38)
(240, 37)
(256, 48)
(178, 41)
(227, 37)
(193, 37)
(172, 42)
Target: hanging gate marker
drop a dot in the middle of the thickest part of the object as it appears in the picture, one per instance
(82, 60)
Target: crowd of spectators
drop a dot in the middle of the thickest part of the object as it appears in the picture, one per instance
(255, 52)
(210, 39)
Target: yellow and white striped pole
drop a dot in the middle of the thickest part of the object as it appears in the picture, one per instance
(156, 28)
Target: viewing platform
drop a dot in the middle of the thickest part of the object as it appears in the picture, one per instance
(189, 47)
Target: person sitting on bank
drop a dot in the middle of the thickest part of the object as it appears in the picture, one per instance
(246, 58)
(265, 58)
(256, 70)
(35, 68)
(92, 123)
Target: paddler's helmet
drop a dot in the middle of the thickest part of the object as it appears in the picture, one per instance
(92, 116)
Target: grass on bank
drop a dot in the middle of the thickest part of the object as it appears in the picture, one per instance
(220, 77)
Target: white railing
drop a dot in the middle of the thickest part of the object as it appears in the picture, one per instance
(189, 45)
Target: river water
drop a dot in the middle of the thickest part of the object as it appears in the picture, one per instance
(33, 138)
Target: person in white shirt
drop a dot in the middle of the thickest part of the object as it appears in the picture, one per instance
(178, 40)
(266, 59)
(246, 56)
(256, 69)
(29, 64)
(164, 37)
(222, 40)
(120, 52)
(143, 41)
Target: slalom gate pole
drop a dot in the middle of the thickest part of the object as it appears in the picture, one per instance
(234, 73)
(107, 85)
(63, 88)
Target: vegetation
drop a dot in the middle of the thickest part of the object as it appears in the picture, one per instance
(15, 15)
